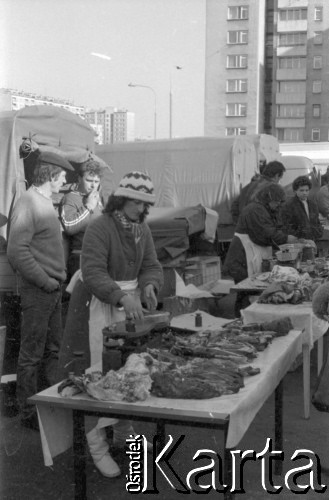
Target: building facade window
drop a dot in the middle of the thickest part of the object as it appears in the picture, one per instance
(235, 131)
(290, 134)
(317, 87)
(318, 38)
(236, 109)
(315, 134)
(292, 62)
(317, 62)
(291, 111)
(237, 85)
(318, 13)
(295, 87)
(289, 39)
(239, 12)
(316, 110)
(292, 14)
(237, 37)
(237, 61)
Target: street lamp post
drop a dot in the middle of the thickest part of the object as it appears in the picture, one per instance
(170, 109)
(171, 103)
(155, 103)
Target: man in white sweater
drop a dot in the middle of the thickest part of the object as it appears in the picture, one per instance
(35, 250)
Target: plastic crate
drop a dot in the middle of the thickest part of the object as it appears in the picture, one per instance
(202, 269)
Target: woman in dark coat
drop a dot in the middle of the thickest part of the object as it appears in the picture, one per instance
(259, 228)
(300, 215)
(120, 271)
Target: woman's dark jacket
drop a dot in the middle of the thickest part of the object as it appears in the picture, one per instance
(109, 254)
(263, 227)
(296, 221)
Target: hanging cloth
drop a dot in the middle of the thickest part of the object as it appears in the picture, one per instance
(102, 315)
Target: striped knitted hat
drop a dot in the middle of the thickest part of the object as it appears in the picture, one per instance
(136, 186)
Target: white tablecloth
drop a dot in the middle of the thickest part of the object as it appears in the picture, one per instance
(209, 322)
(301, 315)
(274, 362)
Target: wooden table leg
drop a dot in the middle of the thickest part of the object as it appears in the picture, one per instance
(278, 426)
(79, 450)
(306, 380)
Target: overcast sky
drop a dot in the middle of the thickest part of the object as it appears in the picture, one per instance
(47, 45)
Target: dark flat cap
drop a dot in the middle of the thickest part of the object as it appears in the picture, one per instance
(54, 159)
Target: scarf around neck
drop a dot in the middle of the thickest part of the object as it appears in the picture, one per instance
(134, 227)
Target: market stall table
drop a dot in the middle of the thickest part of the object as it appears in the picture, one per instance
(62, 419)
(250, 285)
(302, 318)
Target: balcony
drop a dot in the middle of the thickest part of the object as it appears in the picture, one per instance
(290, 98)
(286, 26)
(291, 74)
(290, 123)
(292, 51)
(291, 4)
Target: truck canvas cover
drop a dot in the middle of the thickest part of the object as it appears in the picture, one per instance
(200, 170)
(47, 127)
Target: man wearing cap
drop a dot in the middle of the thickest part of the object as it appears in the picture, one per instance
(36, 252)
(120, 272)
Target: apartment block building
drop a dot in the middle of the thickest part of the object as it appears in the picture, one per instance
(123, 126)
(267, 68)
(13, 100)
(112, 125)
(100, 121)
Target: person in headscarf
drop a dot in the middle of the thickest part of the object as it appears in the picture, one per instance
(259, 229)
(271, 172)
(120, 272)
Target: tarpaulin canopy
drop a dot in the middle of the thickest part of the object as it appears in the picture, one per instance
(185, 172)
(267, 146)
(50, 128)
(171, 228)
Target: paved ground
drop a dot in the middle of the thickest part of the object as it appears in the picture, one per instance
(24, 476)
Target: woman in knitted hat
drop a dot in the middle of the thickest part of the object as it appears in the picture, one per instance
(258, 229)
(120, 272)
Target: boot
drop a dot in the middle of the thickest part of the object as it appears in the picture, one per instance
(99, 450)
(122, 431)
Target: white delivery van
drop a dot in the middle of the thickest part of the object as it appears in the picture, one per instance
(297, 166)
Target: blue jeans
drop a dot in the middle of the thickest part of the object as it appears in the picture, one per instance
(41, 335)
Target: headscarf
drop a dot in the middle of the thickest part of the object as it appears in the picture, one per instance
(270, 192)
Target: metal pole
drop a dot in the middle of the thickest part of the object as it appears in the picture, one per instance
(170, 108)
(170, 114)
